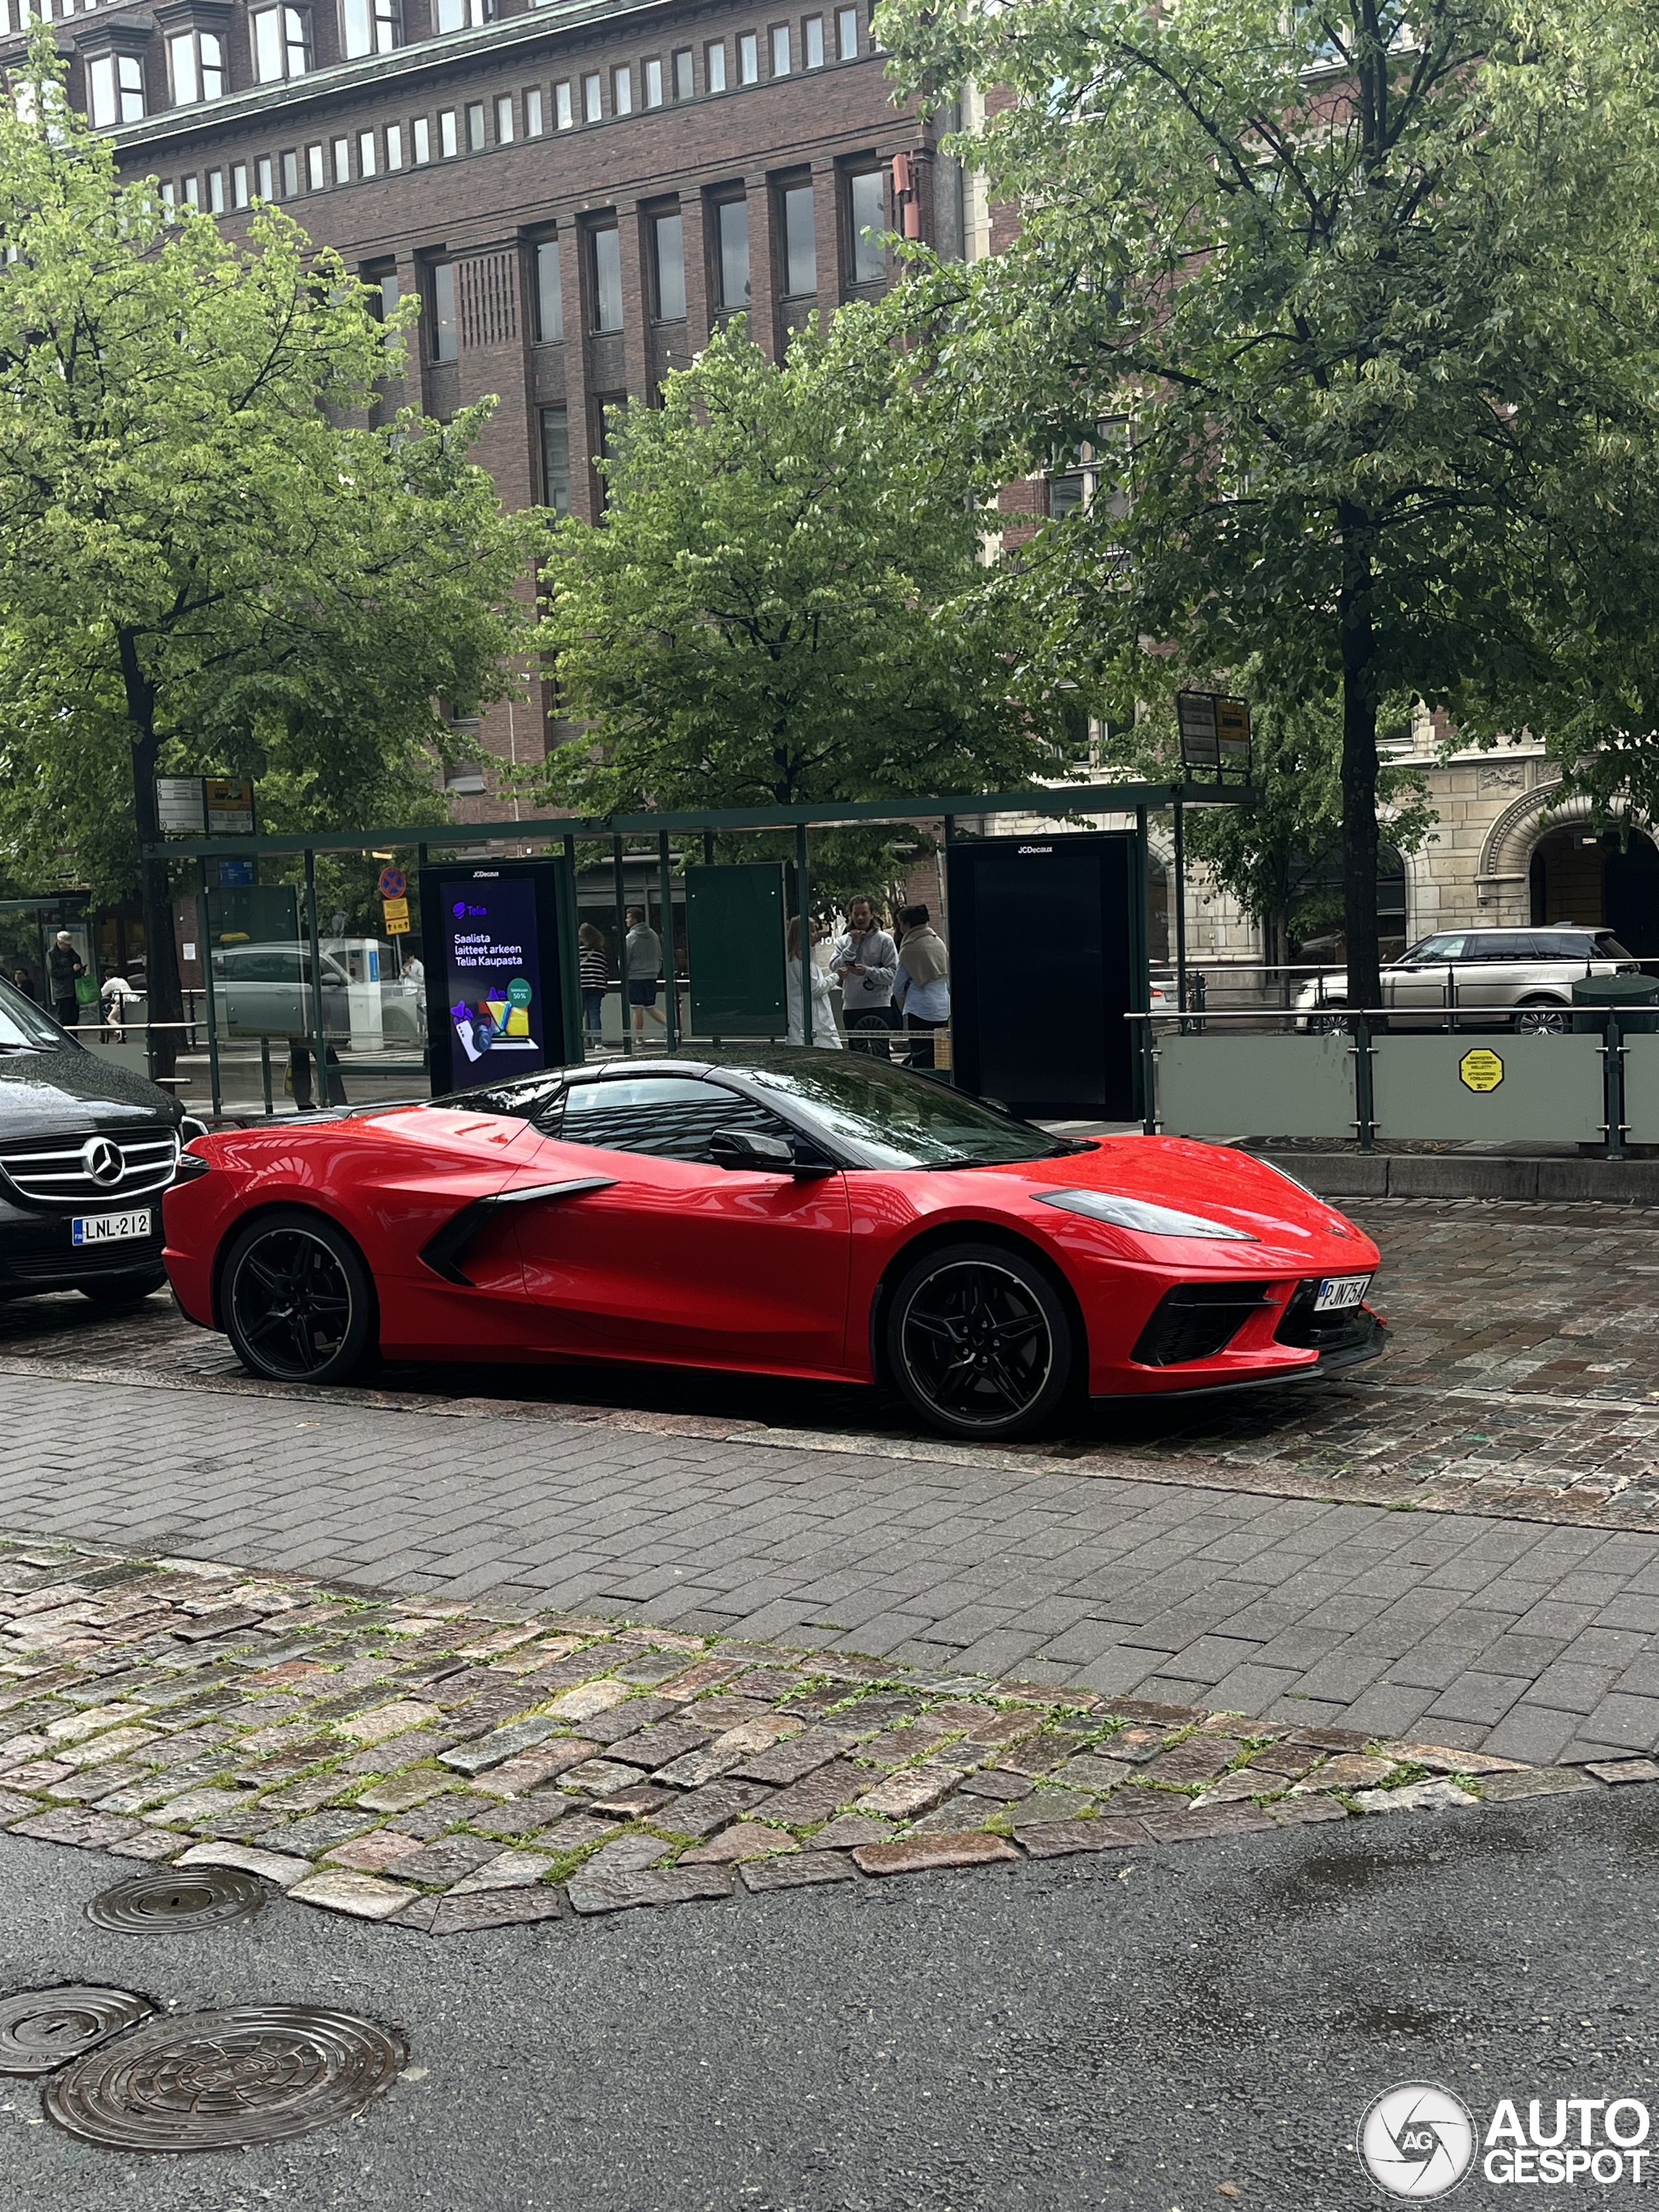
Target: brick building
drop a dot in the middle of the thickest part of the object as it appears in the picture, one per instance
(578, 194)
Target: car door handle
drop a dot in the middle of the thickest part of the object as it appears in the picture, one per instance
(443, 1253)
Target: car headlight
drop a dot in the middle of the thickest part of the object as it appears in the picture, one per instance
(1135, 1213)
(191, 1164)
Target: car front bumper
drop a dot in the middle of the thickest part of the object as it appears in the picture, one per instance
(38, 1251)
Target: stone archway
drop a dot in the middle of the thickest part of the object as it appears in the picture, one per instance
(1551, 858)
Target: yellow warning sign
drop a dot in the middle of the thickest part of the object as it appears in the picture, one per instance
(1481, 1069)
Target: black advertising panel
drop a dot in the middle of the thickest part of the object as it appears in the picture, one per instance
(1045, 960)
(734, 925)
(498, 947)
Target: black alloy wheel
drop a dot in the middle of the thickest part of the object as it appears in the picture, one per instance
(113, 1291)
(297, 1304)
(980, 1342)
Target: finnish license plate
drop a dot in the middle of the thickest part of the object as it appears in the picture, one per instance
(1337, 1293)
(111, 1228)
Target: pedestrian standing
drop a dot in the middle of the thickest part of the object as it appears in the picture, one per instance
(824, 1031)
(866, 960)
(23, 981)
(114, 995)
(594, 970)
(923, 989)
(644, 969)
(64, 966)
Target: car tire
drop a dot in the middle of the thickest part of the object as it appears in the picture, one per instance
(980, 1342)
(297, 1300)
(1542, 1017)
(1334, 1022)
(115, 1290)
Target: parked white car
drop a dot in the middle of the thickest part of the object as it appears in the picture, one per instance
(1529, 973)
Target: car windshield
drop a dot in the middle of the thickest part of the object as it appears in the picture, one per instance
(24, 1027)
(902, 1121)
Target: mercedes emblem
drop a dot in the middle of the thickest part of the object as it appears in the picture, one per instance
(102, 1161)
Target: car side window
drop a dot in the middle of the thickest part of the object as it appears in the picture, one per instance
(1435, 951)
(666, 1117)
(533, 1099)
(1501, 945)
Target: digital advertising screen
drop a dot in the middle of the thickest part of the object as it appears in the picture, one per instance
(496, 1010)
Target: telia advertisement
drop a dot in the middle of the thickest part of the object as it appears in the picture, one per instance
(492, 975)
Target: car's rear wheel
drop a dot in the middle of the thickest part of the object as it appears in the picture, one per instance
(115, 1290)
(1542, 1017)
(1334, 1023)
(980, 1342)
(297, 1302)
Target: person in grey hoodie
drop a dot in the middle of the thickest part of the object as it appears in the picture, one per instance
(866, 960)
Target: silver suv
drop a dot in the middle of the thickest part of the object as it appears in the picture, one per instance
(1531, 970)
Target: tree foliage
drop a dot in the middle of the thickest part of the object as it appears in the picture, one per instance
(216, 554)
(1350, 298)
(782, 603)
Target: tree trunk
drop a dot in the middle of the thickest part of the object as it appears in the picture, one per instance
(1358, 763)
(165, 997)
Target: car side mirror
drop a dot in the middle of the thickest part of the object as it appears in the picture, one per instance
(761, 1153)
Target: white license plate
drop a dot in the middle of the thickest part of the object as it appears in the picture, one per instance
(1337, 1293)
(111, 1228)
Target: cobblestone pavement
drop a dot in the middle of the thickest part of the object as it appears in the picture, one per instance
(455, 1768)
(1209, 1557)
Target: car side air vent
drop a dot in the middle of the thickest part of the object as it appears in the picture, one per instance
(1195, 1320)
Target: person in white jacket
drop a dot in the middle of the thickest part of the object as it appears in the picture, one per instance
(824, 1031)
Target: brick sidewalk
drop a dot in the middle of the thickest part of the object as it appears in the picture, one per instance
(1208, 1556)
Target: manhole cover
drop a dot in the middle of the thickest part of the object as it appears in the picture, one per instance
(40, 2029)
(214, 2081)
(170, 1898)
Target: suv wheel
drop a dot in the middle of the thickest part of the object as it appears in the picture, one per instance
(980, 1342)
(1335, 1022)
(298, 1304)
(1542, 1017)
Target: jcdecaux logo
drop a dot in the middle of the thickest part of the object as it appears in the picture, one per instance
(1419, 2140)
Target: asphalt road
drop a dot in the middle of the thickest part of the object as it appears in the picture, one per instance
(1070, 2036)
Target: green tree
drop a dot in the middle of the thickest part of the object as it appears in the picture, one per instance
(781, 604)
(214, 557)
(1345, 295)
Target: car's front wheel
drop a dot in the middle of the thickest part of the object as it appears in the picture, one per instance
(980, 1342)
(297, 1299)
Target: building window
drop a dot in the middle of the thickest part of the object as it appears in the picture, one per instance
(652, 73)
(607, 278)
(564, 113)
(448, 143)
(462, 15)
(239, 185)
(316, 176)
(263, 185)
(714, 66)
(847, 34)
(366, 153)
(192, 192)
(394, 145)
(475, 126)
(731, 217)
(281, 47)
(749, 58)
(685, 85)
(556, 459)
(370, 28)
(115, 90)
(197, 61)
(668, 242)
(603, 402)
(592, 106)
(342, 160)
(621, 91)
(216, 191)
(813, 27)
(534, 125)
(441, 302)
(550, 293)
(780, 54)
(166, 195)
(291, 173)
(800, 245)
(390, 296)
(504, 133)
(866, 193)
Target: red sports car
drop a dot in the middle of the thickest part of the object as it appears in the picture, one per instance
(781, 1211)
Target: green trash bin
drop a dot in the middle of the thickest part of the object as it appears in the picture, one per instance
(1634, 998)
